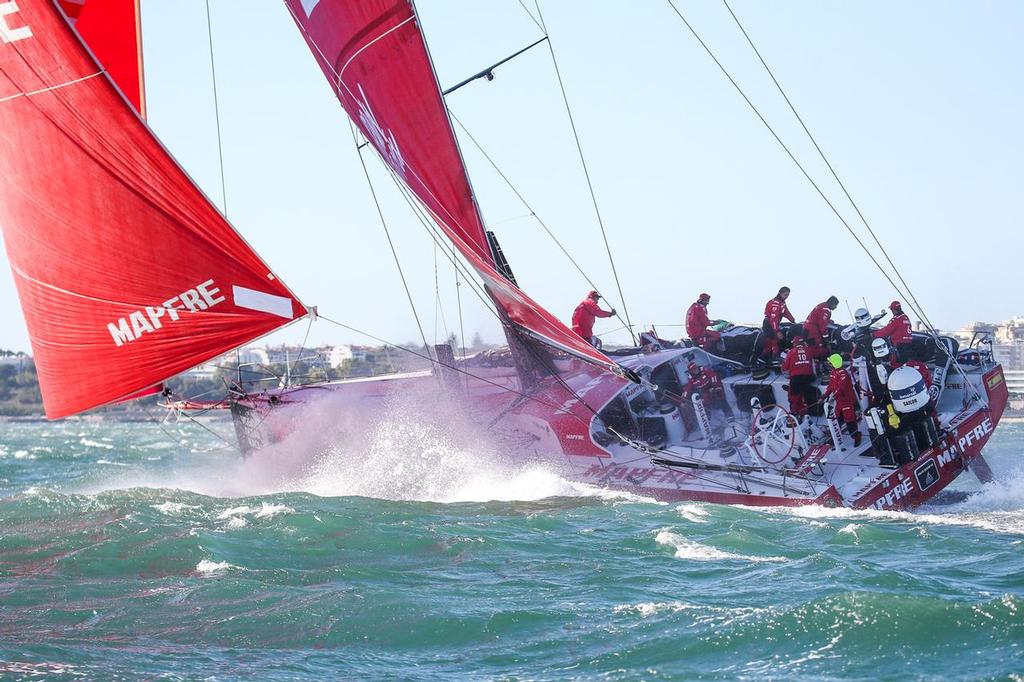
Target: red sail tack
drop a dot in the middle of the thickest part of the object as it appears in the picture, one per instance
(112, 30)
(375, 58)
(127, 274)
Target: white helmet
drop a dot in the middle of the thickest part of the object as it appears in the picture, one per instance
(862, 316)
(908, 390)
(880, 349)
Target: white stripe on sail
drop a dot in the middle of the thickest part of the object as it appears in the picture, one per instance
(266, 303)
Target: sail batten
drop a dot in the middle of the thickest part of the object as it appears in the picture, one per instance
(375, 58)
(126, 272)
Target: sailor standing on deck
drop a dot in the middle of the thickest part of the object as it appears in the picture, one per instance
(840, 387)
(774, 311)
(585, 314)
(816, 328)
(697, 323)
(799, 365)
(898, 332)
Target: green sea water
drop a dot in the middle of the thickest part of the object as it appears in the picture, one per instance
(139, 551)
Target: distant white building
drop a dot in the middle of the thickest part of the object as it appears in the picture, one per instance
(1008, 338)
(337, 355)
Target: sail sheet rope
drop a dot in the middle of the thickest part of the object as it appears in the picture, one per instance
(533, 213)
(51, 87)
(904, 290)
(586, 170)
(387, 233)
(216, 112)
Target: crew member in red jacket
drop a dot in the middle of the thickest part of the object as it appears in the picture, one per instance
(774, 311)
(697, 323)
(799, 365)
(816, 328)
(898, 332)
(840, 387)
(706, 381)
(585, 314)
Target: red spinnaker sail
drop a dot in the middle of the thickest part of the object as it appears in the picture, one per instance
(127, 274)
(113, 31)
(376, 60)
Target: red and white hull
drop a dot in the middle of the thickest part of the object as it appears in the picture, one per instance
(559, 425)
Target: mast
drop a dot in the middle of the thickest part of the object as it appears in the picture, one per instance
(532, 359)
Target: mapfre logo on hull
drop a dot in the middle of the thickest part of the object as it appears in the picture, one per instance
(10, 31)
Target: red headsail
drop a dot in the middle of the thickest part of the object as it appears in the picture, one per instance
(127, 274)
(376, 60)
(113, 31)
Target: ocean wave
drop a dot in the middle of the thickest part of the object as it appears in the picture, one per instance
(695, 551)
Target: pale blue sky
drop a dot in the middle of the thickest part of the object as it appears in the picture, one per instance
(918, 105)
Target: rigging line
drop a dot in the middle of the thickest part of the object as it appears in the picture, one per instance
(793, 158)
(586, 171)
(458, 300)
(452, 367)
(302, 349)
(387, 233)
(432, 230)
(530, 14)
(216, 110)
(533, 213)
(51, 88)
(821, 153)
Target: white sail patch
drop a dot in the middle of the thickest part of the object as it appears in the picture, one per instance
(152, 318)
(309, 5)
(8, 34)
(263, 302)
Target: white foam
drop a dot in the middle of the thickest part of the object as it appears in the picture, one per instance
(267, 511)
(693, 512)
(236, 522)
(95, 444)
(694, 551)
(210, 567)
(997, 521)
(108, 462)
(650, 608)
(234, 511)
(171, 508)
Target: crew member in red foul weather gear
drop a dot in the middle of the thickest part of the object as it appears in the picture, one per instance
(816, 328)
(705, 381)
(774, 311)
(697, 323)
(898, 332)
(840, 387)
(585, 314)
(799, 365)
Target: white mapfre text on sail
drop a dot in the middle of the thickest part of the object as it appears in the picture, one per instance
(151, 318)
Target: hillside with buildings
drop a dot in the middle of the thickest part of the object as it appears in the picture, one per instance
(253, 367)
